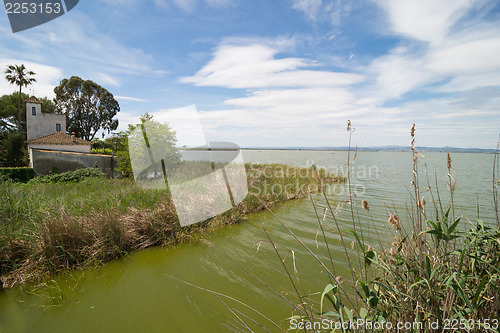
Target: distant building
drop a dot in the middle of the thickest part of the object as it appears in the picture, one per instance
(40, 124)
(59, 141)
(51, 148)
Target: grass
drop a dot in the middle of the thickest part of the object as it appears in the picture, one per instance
(439, 273)
(70, 221)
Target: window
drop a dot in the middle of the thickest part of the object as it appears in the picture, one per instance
(58, 127)
(33, 111)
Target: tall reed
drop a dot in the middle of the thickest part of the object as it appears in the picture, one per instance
(439, 273)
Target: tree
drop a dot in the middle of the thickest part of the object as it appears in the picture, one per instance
(88, 107)
(158, 134)
(8, 110)
(48, 106)
(14, 151)
(20, 76)
(120, 145)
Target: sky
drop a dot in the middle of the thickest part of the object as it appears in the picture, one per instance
(281, 73)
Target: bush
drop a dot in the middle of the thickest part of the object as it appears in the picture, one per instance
(70, 176)
(22, 174)
(102, 151)
(15, 152)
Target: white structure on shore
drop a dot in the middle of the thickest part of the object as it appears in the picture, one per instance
(46, 131)
(40, 124)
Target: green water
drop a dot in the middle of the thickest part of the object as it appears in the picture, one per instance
(139, 293)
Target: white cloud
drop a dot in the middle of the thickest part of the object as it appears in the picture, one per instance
(47, 77)
(298, 101)
(397, 73)
(131, 99)
(108, 80)
(470, 57)
(310, 7)
(125, 119)
(185, 5)
(74, 39)
(425, 20)
(256, 66)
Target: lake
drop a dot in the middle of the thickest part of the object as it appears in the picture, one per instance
(144, 292)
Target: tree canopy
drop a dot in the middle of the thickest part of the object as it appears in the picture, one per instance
(8, 110)
(158, 135)
(88, 107)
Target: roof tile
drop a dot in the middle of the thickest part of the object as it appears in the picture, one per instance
(33, 99)
(59, 138)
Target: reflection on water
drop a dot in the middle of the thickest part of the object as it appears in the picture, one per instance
(137, 294)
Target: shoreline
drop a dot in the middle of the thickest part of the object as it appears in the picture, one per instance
(62, 241)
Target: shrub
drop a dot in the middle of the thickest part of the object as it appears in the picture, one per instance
(70, 176)
(22, 174)
(102, 151)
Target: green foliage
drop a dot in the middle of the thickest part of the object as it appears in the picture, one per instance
(102, 151)
(437, 275)
(14, 150)
(22, 174)
(20, 76)
(88, 107)
(8, 110)
(70, 176)
(159, 133)
(48, 106)
(52, 224)
(99, 144)
(155, 134)
(120, 143)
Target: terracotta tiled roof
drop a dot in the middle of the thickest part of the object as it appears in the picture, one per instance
(59, 138)
(33, 99)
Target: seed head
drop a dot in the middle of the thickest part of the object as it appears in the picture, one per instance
(421, 203)
(448, 162)
(412, 131)
(395, 222)
(365, 205)
(348, 125)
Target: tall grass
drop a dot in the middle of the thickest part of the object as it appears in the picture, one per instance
(46, 227)
(440, 272)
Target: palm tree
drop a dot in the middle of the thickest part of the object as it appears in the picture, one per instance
(19, 75)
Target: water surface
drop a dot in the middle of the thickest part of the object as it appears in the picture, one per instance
(138, 294)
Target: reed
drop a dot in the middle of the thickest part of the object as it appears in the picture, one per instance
(439, 273)
(52, 225)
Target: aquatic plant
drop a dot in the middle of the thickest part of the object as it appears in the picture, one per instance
(438, 274)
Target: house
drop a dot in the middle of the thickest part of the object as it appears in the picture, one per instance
(51, 149)
(40, 124)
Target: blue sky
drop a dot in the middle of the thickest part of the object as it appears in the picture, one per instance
(287, 72)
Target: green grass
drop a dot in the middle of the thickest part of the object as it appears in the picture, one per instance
(67, 221)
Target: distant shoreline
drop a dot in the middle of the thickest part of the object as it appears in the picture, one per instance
(387, 149)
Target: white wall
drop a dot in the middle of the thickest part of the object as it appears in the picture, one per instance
(42, 123)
